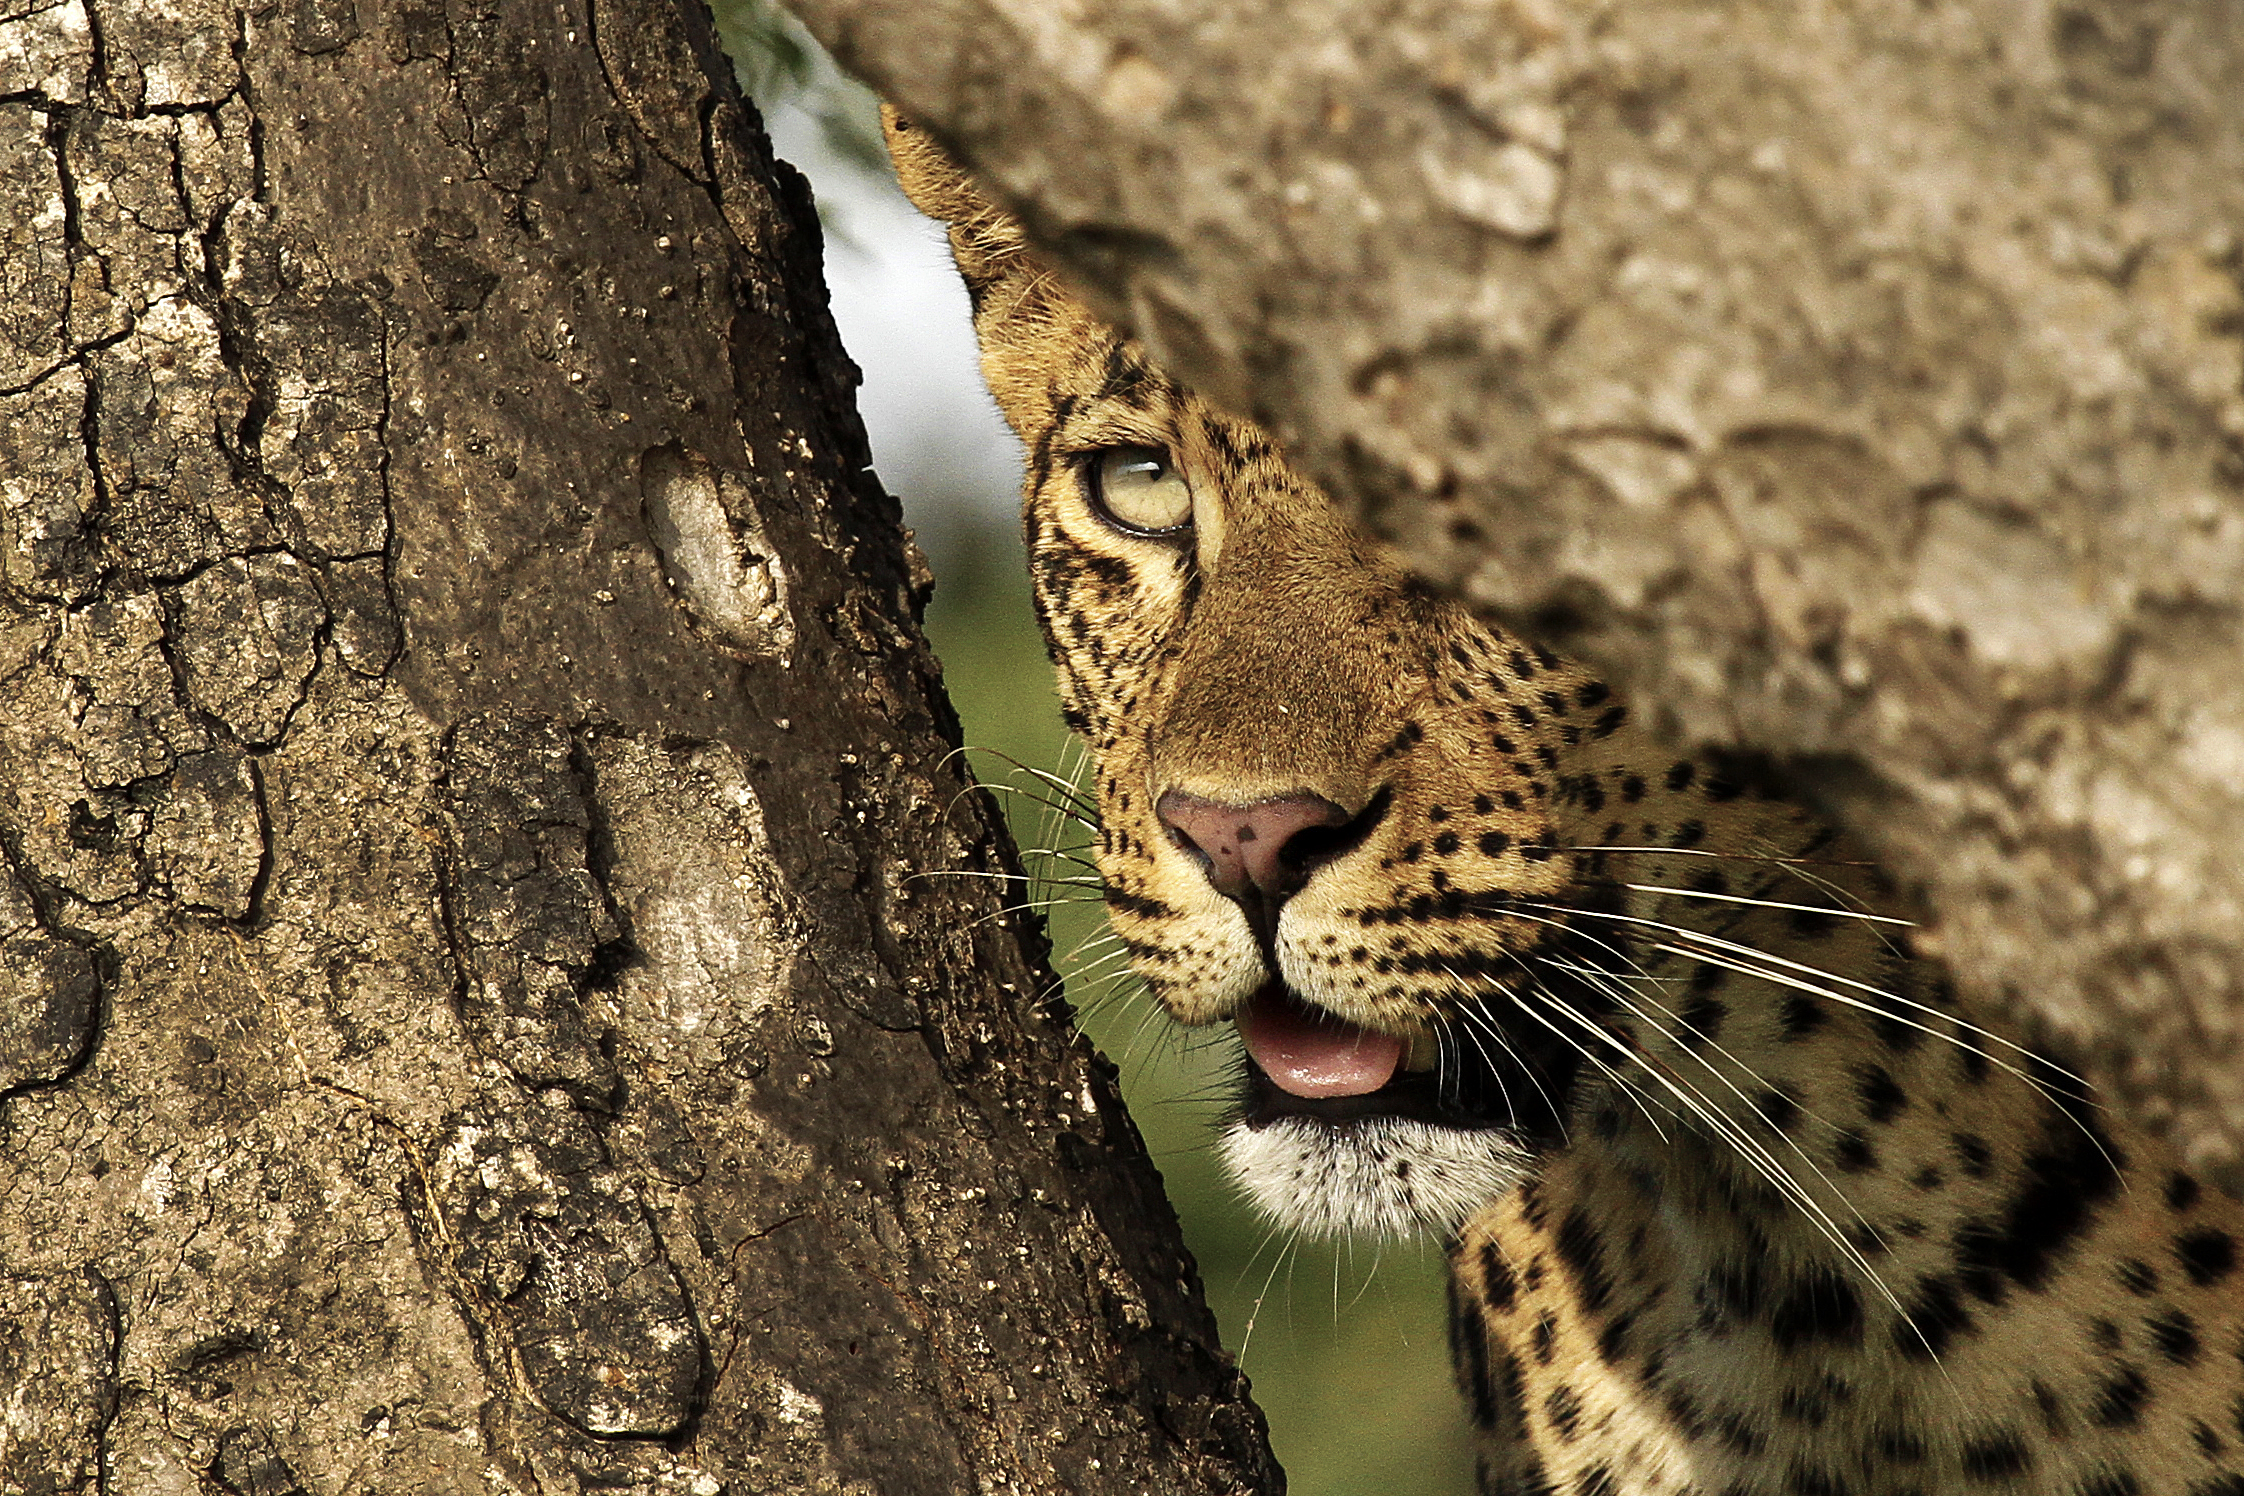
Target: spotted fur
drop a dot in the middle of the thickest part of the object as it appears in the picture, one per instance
(1742, 1203)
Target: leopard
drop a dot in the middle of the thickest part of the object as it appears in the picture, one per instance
(1739, 1195)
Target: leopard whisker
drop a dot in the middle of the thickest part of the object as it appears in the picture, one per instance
(1067, 813)
(1739, 951)
(1627, 1000)
(1290, 1248)
(1770, 858)
(1764, 1162)
(1732, 898)
(1481, 1028)
(1071, 880)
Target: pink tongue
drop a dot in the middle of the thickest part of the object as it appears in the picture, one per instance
(1313, 1054)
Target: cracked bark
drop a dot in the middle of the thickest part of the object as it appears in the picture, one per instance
(481, 1004)
(1861, 385)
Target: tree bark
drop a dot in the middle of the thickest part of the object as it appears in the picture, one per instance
(485, 1001)
(1860, 385)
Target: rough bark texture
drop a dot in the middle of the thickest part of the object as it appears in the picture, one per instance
(1860, 383)
(481, 1002)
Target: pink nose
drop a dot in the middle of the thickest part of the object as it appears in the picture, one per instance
(1259, 847)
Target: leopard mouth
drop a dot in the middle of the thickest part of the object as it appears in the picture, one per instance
(1307, 1063)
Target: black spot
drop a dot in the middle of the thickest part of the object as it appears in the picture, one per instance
(1544, 1341)
(2202, 1435)
(1609, 721)
(1584, 1252)
(1821, 1306)
(1684, 1410)
(2181, 1191)
(2137, 1277)
(1853, 1153)
(1973, 1061)
(2110, 1483)
(1804, 1405)
(1702, 1019)
(1126, 902)
(2220, 1485)
(1803, 1015)
(1777, 1109)
(2062, 1185)
(1596, 1481)
(1812, 924)
(2120, 1398)
(1446, 844)
(1721, 789)
(1882, 1099)
(1972, 1150)
(1996, 1456)
(1681, 773)
(1688, 835)
(1934, 1317)
(2207, 1255)
(1738, 1434)
(1496, 1283)
(2052, 1407)
(1632, 788)
(1732, 1290)
(1468, 1352)
(1564, 1410)
(1812, 1480)
(1612, 1341)
(1928, 1178)
(1494, 843)
(2175, 1335)
(1903, 1446)
(1534, 1208)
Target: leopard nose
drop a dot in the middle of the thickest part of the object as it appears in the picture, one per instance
(1270, 847)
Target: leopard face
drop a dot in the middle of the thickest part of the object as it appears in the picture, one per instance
(1335, 809)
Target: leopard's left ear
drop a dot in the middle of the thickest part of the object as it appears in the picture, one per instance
(986, 241)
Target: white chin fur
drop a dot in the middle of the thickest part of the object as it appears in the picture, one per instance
(1382, 1176)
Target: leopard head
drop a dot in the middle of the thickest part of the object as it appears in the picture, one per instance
(1335, 808)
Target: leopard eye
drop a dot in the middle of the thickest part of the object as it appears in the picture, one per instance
(1138, 490)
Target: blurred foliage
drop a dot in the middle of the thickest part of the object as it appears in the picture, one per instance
(780, 65)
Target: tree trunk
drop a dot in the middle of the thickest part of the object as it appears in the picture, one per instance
(484, 999)
(1860, 385)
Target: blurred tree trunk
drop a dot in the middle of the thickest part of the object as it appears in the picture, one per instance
(481, 1002)
(1861, 385)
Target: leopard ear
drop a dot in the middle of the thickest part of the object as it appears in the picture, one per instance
(985, 240)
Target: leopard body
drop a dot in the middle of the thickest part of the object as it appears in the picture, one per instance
(1738, 1200)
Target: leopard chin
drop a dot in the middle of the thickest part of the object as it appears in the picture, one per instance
(1380, 1174)
(1339, 1130)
